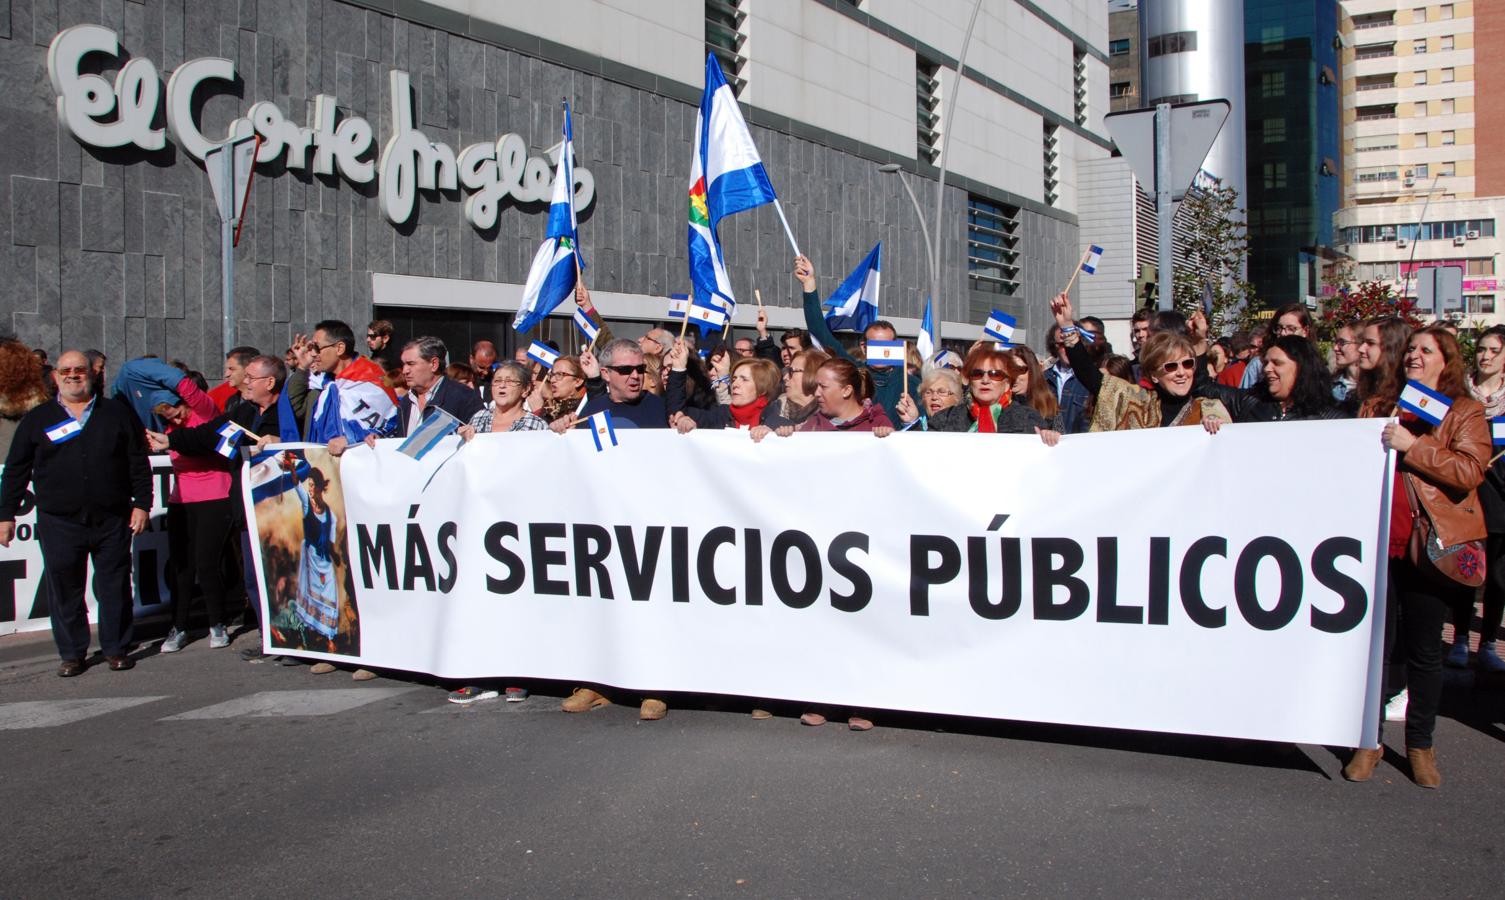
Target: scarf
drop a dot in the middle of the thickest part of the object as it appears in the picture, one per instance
(987, 418)
(749, 415)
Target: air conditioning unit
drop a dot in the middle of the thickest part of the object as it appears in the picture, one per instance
(1459, 241)
(1410, 182)
(1402, 243)
(1473, 235)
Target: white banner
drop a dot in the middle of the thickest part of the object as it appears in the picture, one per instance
(1162, 580)
(23, 602)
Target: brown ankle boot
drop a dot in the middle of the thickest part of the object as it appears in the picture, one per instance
(1361, 766)
(1424, 767)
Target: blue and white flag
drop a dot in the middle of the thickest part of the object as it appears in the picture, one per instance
(543, 354)
(586, 326)
(1424, 402)
(679, 306)
(708, 315)
(229, 436)
(436, 426)
(1497, 430)
(602, 431)
(268, 477)
(929, 338)
(1000, 327)
(853, 306)
(552, 277)
(885, 353)
(1094, 256)
(64, 432)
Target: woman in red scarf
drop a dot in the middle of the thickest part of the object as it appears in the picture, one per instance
(754, 383)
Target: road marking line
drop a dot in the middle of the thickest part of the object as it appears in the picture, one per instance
(292, 703)
(49, 713)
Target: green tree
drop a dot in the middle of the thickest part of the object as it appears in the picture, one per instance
(1368, 300)
(1211, 256)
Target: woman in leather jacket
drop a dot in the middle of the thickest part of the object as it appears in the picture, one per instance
(1440, 466)
(1294, 385)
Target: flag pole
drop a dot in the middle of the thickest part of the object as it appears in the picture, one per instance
(904, 366)
(779, 207)
(1075, 272)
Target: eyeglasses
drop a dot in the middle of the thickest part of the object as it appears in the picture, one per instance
(371, 337)
(1342, 342)
(558, 374)
(938, 392)
(994, 374)
(72, 370)
(320, 348)
(497, 382)
(1287, 330)
(1188, 364)
(624, 371)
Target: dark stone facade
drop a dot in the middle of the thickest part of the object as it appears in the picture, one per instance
(119, 249)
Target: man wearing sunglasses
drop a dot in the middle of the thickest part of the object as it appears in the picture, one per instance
(378, 336)
(86, 462)
(614, 382)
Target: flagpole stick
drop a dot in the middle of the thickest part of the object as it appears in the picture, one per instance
(904, 366)
(779, 207)
(1074, 273)
(758, 294)
(580, 280)
(1496, 458)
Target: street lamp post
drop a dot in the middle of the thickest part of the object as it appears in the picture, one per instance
(895, 169)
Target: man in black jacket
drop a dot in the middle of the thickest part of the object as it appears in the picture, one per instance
(428, 389)
(259, 412)
(87, 463)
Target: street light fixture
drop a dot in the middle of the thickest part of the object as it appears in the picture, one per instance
(896, 169)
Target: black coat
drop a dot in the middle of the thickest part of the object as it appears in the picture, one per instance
(1016, 418)
(102, 470)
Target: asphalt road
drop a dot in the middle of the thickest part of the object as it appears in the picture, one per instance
(198, 774)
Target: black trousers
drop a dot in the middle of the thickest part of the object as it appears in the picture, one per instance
(1424, 604)
(197, 536)
(68, 546)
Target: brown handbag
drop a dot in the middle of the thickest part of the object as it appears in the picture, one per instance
(1458, 563)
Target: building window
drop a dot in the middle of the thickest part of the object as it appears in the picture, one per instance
(1272, 84)
(1447, 169)
(927, 108)
(724, 38)
(1447, 76)
(1420, 171)
(1174, 98)
(1175, 42)
(1445, 42)
(1449, 138)
(1121, 89)
(1446, 107)
(1374, 142)
(1079, 84)
(992, 246)
(1375, 51)
(1051, 143)
(1275, 175)
(1445, 11)
(1419, 14)
(1275, 131)
(1272, 36)
(1419, 77)
(1419, 45)
(1370, 113)
(1118, 47)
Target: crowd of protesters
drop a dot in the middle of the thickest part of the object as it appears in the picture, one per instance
(84, 446)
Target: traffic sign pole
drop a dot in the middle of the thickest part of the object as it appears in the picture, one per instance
(1164, 210)
(227, 255)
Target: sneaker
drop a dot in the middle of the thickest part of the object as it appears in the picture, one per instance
(175, 641)
(471, 694)
(1457, 656)
(218, 637)
(287, 661)
(253, 654)
(1489, 661)
(515, 694)
(1395, 710)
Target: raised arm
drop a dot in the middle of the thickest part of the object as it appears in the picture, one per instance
(815, 320)
(1076, 351)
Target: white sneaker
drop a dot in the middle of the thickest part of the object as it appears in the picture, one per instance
(218, 637)
(175, 641)
(1395, 710)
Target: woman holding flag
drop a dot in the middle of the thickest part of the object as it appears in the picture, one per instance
(1443, 443)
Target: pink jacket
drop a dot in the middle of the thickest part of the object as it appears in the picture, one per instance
(198, 478)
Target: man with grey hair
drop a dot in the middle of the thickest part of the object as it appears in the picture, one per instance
(657, 340)
(423, 361)
(615, 383)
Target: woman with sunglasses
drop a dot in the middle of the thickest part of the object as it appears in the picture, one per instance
(989, 406)
(1487, 385)
(1438, 470)
(1034, 389)
(506, 411)
(1167, 359)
